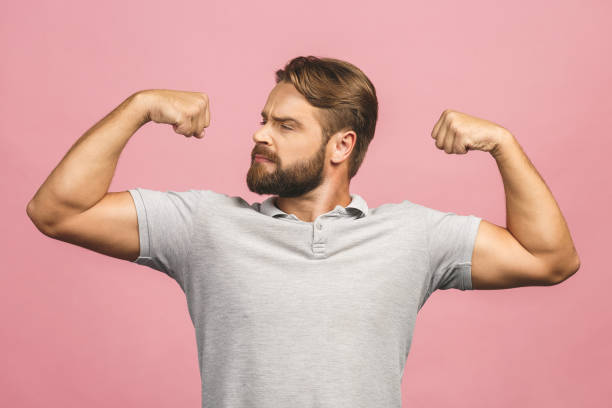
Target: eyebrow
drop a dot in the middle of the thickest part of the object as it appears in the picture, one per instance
(283, 119)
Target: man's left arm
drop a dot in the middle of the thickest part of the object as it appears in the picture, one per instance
(536, 247)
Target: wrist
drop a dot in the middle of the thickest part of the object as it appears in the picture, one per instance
(505, 142)
(141, 103)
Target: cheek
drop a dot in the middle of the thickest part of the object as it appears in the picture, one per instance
(296, 147)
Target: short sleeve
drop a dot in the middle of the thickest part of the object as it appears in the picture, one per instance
(451, 242)
(165, 226)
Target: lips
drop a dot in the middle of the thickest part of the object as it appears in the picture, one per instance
(259, 156)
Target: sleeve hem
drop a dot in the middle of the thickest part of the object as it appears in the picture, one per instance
(472, 233)
(466, 267)
(143, 230)
(465, 273)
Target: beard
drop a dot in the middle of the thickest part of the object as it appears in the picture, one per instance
(297, 180)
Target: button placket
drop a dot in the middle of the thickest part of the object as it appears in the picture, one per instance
(319, 239)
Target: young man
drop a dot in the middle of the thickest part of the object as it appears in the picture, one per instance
(309, 298)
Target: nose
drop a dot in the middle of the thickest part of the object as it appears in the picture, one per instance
(261, 135)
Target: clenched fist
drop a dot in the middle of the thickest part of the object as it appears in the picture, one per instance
(457, 132)
(187, 112)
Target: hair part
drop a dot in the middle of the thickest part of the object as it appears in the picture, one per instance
(344, 93)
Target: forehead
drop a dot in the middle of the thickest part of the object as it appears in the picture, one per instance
(285, 100)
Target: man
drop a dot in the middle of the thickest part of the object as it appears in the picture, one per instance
(309, 298)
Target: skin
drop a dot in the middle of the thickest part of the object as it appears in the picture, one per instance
(308, 176)
(310, 179)
(536, 248)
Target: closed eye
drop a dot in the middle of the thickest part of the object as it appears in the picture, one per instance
(263, 122)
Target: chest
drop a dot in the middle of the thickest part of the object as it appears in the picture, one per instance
(367, 283)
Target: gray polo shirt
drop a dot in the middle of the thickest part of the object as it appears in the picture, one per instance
(300, 314)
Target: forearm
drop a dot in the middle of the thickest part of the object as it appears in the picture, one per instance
(83, 176)
(532, 214)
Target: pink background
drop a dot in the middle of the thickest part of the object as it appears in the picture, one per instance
(82, 329)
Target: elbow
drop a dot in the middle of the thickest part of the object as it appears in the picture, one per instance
(37, 221)
(30, 208)
(568, 269)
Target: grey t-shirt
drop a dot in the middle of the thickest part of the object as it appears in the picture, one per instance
(298, 314)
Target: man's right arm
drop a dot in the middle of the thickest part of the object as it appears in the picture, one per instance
(74, 205)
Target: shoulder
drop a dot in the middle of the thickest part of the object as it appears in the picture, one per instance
(403, 209)
(428, 214)
(419, 217)
(210, 200)
(410, 217)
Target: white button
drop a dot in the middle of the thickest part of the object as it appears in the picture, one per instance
(319, 226)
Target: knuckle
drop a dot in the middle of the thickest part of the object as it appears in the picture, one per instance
(194, 111)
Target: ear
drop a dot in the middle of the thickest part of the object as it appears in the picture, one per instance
(342, 144)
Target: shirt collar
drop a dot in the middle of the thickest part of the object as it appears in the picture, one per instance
(357, 206)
